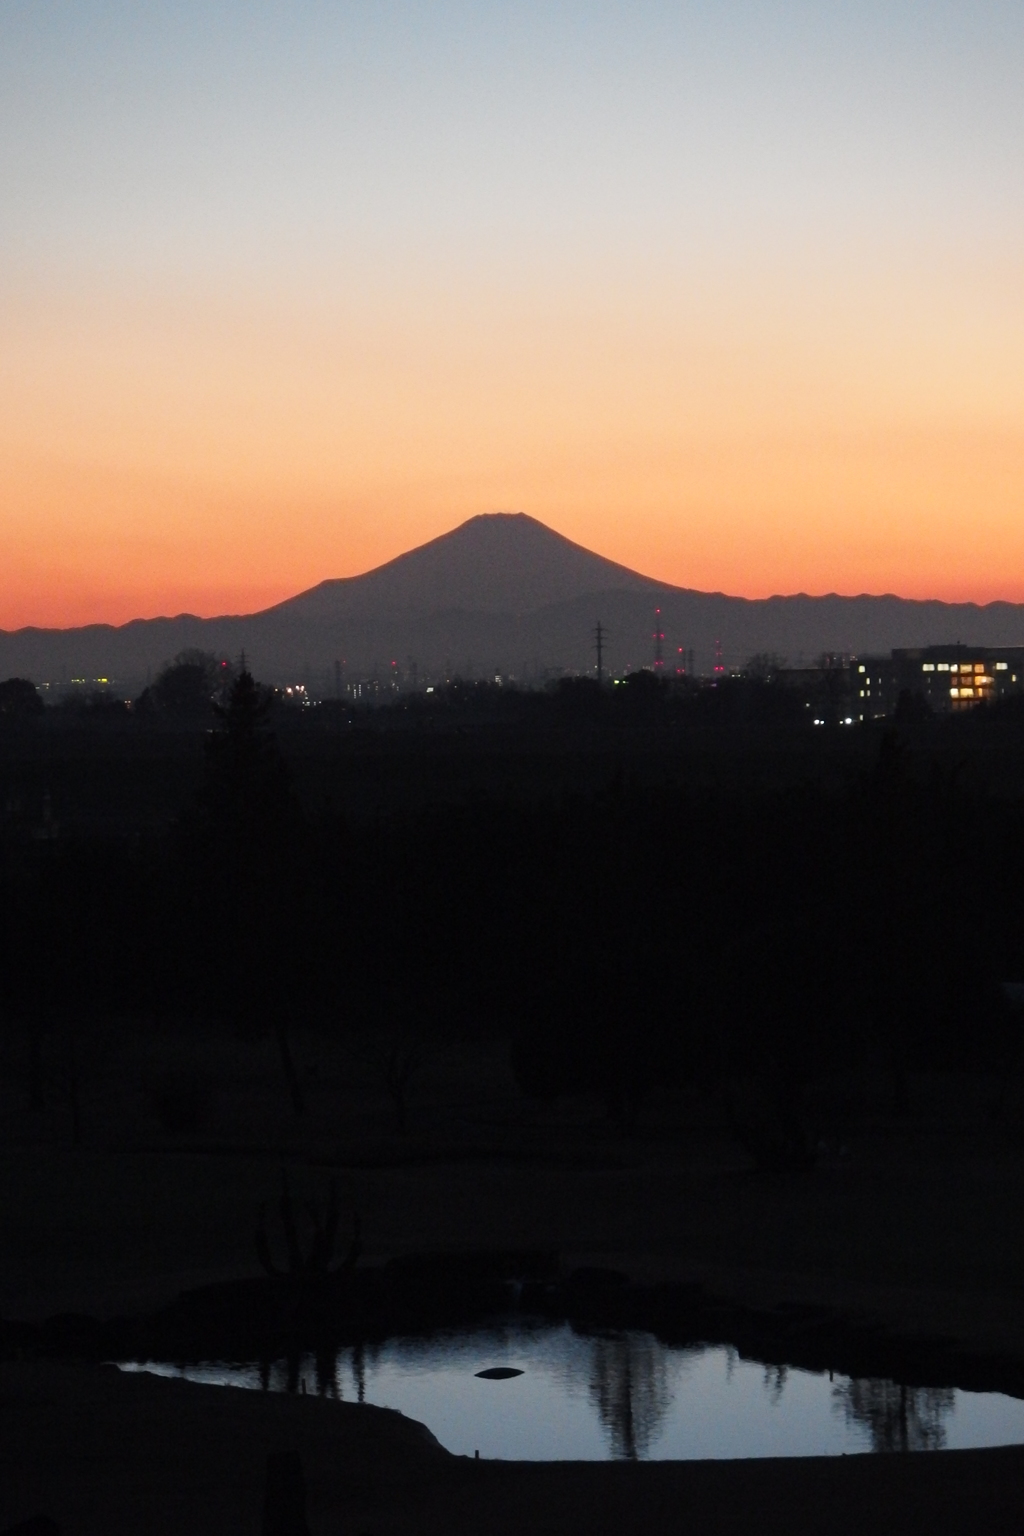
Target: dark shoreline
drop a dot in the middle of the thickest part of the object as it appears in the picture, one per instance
(421, 1294)
(105, 1454)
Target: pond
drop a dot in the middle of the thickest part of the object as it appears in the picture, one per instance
(550, 1393)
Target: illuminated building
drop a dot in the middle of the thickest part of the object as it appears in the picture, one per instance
(949, 678)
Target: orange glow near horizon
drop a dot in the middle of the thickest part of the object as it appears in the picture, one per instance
(730, 294)
(210, 455)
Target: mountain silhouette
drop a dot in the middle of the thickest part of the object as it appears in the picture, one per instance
(502, 593)
(499, 562)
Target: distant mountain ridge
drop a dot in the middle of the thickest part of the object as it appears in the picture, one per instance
(502, 593)
(498, 562)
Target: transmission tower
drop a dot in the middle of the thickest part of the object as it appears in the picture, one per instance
(600, 636)
(659, 642)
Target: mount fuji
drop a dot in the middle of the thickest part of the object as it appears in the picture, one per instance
(503, 593)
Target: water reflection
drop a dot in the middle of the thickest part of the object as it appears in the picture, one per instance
(359, 1371)
(625, 1395)
(629, 1387)
(898, 1418)
(775, 1378)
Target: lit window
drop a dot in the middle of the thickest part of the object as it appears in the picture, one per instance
(860, 669)
(954, 693)
(979, 666)
(928, 666)
(1002, 666)
(862, 693)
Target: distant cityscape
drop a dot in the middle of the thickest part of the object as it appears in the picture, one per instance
(843, 689)
(504, 599)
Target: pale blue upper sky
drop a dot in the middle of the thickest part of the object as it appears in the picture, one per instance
(233, 135)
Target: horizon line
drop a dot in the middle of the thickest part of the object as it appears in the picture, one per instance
(479, 517)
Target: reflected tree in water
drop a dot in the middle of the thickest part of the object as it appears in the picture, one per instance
(325, 1367)
(629, 1386)
(775, 1378)
(351, 1361)
(897, 1418)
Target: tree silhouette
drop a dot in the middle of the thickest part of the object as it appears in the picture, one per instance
(246, 788)
(244, 845)
(186, 688)
(19, 700)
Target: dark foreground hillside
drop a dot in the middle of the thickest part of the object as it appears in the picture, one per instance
(116, 1457)
(719, 1005)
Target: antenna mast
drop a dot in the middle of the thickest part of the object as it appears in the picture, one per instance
(600, 636)
(659, 642)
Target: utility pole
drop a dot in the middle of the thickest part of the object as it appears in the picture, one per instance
(600, 636)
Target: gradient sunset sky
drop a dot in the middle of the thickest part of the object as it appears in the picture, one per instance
(732, 293)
